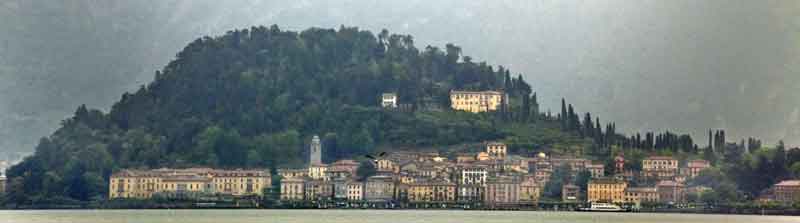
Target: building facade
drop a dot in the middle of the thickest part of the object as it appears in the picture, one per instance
(432, 191)
(477, 101)
(671, 192)
(502, 190)
(606, 190)
(662, 167)
(143, 184)
(293, 189)
(529, 191)
(787, 191)
(640, 195)
(389, 100)
(379, 189)
(497, 150)
(355, 191)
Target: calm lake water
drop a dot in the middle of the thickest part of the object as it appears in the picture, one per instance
(404, 216)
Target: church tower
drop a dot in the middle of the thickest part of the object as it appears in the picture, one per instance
(315, 155)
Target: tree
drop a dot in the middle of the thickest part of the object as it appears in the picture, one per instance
(582, 179)
(365, 170)
(552, 188)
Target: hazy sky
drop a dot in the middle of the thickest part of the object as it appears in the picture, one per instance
(649, 65)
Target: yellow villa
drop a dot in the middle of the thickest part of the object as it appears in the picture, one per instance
(477, 101)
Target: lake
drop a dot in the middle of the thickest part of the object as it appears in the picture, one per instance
(355, 216)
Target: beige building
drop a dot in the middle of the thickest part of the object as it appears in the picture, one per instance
(144, 184)
(387, 165)
(787, 191)
(662, 167)
(316, 190)
(318, 172)
(496, 150)
(432, 191)
(293, 189)
(671, 192)
(355, 191)
(477, 101)
(640, 195)
(529, 191)
(293, 173)
(379, 189)
(502, 190)
(606, 190)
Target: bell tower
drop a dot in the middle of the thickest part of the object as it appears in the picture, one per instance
(315, 154)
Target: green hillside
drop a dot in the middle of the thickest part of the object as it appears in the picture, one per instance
(254, 97)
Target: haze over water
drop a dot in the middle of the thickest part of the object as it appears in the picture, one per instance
(356, 216)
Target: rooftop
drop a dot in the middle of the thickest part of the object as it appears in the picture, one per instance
(793, 183)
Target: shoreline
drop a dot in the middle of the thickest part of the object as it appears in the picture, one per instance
(745, 212)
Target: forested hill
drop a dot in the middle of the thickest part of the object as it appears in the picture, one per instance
(254, 97)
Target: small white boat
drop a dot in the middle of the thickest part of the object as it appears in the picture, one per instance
(603, 207)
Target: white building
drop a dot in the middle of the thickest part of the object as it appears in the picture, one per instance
(389, 100)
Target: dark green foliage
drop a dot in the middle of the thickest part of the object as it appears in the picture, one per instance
(559, 177)
(365, 170)
(252, 99)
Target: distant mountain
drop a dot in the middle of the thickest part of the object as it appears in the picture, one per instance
(254, 97)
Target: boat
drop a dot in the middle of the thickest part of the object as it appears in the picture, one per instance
(603, 207)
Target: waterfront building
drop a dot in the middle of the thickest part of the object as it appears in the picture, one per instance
(671, 192)
(470, 193)
(435, 190)
(606, 190)
(293, 189)
(144, 184)
(638, 195)
(662, 167)
(379, 189)
(389, 100)
(340, 188)
(529, 191)
(570, 193)
(477, 101)
(502, 190)
(317, 190)
(355, 191)
(787, 191)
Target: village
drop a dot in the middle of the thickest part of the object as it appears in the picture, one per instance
(490, 179)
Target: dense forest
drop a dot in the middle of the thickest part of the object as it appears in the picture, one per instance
(253, 98)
